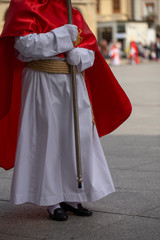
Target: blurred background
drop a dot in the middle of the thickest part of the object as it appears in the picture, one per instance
(125, 29)
(128, 33)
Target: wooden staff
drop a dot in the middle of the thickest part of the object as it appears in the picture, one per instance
(75, 109)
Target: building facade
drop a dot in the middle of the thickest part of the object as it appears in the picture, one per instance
(149, 11)
(3, 11)
(112, 16)
(112, 10)
(128, 20)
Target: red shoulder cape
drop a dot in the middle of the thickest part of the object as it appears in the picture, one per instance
(111, 106)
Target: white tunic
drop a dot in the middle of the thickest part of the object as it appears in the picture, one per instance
(45, 166)
(115, 56)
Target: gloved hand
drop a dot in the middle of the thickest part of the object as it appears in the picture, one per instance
(73, 57)
(72, 30)
(81, 57)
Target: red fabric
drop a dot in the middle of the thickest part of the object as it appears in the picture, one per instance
(134, 46)
(110, 104)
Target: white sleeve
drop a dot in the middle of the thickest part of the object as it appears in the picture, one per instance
(44, 44)
(86, 59)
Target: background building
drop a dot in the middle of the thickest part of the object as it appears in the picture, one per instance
(3, 10)
(148, 10)
(112, 16)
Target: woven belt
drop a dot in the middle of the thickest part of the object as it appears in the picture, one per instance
(50, 66)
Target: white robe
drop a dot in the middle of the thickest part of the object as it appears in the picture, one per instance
(115, 56)
(45, 166)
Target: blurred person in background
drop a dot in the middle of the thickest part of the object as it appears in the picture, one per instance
(104, 48)
(133, 54)
(140, 49)
(152, 53)
(114, 54)
(157, 46)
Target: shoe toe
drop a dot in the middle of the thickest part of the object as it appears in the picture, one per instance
(58, 215)
(79, 211)
(83, 211)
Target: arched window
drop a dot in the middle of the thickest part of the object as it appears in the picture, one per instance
(116, 6)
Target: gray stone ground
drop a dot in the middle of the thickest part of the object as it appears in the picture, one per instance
(133, 155)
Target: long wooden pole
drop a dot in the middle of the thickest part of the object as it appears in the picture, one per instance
(75, 109)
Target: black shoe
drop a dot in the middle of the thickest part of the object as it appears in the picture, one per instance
(79, 211)
(58, 215)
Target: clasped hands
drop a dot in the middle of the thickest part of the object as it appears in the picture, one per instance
(73, 56)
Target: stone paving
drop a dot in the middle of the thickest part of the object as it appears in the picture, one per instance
(133, 155)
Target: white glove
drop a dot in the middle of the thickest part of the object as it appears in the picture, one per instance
(73, 57)
(81, 57)
(72, 30)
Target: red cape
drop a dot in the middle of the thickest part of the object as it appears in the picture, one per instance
(111, 106)
(134, 46)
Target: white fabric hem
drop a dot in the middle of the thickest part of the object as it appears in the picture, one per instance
(77, 197)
